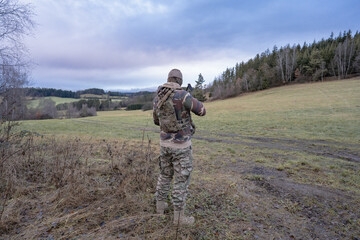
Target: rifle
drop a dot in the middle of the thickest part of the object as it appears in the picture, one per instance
(189, 88)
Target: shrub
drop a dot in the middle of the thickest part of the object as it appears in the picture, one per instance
(147, 106)
(135, 106)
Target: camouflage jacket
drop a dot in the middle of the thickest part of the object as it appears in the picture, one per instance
(184, 103)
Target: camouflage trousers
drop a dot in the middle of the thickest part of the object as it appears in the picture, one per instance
(175, 163)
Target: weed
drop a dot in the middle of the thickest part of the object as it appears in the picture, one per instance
(230, 150)
(255, 177)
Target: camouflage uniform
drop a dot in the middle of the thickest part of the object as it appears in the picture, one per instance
(176, 150)
(176, 162)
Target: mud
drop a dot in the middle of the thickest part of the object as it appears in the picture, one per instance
(294, 210)
(331, 150)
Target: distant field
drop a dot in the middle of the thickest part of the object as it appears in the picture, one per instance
(57, 100)
(290, 156)
(104, 96)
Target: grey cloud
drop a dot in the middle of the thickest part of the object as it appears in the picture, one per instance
(112, 39)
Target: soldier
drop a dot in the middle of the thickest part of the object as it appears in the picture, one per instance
(172, 107)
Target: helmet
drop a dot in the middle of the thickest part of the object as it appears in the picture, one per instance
(175, 76)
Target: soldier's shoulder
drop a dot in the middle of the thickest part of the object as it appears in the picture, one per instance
(180, 93)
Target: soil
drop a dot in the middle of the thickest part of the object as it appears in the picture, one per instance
(291, 210)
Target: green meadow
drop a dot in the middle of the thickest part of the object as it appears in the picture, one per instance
(322, 111)
(291, 151)
(58, 100)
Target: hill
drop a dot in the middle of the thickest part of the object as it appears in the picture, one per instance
(332, 58)
(57, 100)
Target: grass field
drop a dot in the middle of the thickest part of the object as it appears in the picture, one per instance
(279, 163)
(57, 100)
(326, 111)
(104, 96)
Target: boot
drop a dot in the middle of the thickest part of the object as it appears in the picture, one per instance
(161, 206)
(181, 219)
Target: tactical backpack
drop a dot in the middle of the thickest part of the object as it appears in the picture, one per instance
(166, 112)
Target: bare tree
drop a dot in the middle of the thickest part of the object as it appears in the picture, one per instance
(47, 109)
(15, 23)
(72, 111)
(245, 82)
(357, 62)
(343, 55)
(323, 69)
(286, 60)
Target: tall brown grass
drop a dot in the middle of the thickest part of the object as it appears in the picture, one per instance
(64, 188)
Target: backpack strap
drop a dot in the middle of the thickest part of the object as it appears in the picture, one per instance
(168, 91)
(171, 85)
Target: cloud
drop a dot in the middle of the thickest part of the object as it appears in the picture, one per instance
(116, 43)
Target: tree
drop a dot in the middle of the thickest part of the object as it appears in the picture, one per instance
(344, 53)
(200, 81)
(317, 65)
(357, 62)
(47, 108)
(287, 62)
(15, 22)
(198, 91)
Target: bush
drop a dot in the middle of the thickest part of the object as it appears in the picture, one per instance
(147, 106)
(135, 106)
(86, 111)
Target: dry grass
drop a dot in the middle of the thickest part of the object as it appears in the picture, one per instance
(64, 189)
(67, 188)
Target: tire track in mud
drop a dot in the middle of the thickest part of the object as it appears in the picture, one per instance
(323, 212)
(295, 145)
(323, 148)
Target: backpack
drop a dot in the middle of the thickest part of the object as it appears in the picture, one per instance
(166, 112)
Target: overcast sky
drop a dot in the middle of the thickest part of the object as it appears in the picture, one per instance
(127, 44)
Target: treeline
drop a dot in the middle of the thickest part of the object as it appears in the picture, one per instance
(97, 104)
(140, 100)
(136, 101)
(52, 92)
(335, 57)
(47, 108)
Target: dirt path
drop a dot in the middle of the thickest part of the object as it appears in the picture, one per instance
(280, 208)
(316, 147)
(323, 148)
